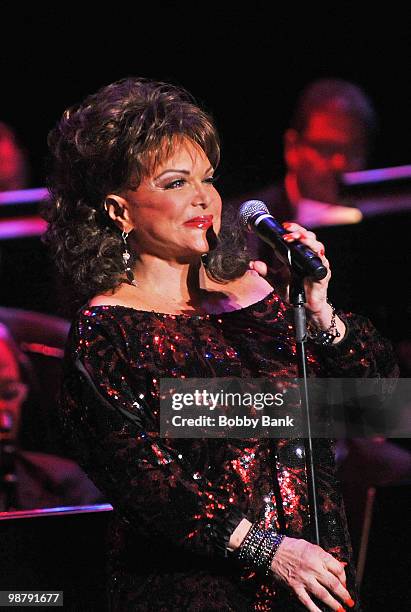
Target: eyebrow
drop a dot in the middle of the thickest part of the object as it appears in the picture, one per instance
(187, 172)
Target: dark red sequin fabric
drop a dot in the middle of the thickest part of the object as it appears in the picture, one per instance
(177, 501)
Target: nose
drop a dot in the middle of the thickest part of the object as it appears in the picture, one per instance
(338, 162)
(201, 196)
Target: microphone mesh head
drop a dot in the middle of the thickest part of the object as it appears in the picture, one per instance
(248, 209)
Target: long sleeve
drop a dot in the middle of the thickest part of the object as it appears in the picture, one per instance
(188, 495)
(363, 353)
(110, 417)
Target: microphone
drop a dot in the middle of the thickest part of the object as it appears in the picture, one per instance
(255, 217)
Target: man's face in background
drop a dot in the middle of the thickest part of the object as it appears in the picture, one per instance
(333, 142)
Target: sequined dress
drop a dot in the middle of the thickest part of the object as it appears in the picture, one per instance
(177, 501)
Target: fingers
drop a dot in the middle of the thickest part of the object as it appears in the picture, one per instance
(311, 572)
(324, 595)
(297, 232)
(315, 300)
(334, 581)
(259, 266)
(327, 586)
(306, 599)
(335, 567)
(324, 591)
(290, 226)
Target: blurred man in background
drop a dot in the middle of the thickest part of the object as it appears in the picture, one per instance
(331, 132)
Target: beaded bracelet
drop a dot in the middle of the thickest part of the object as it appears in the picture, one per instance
(267, 551)
(250, 544)
(259, 547)
(324, 337)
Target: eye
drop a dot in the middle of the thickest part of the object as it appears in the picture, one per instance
(211, 180)
(175, 184)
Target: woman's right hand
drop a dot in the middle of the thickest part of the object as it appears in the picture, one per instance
(308, 569)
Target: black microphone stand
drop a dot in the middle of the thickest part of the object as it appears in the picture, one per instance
(302, 261)
(297, 299)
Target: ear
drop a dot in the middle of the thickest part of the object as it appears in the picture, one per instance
(117, 209)
(290, 149)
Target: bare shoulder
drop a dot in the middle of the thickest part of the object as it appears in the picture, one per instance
(252, 281)
(213, 298)
(252, 287)
(242, 292)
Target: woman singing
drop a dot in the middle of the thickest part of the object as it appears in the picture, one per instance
(167, 291)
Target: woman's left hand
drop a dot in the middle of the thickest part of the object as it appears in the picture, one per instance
(315, 290)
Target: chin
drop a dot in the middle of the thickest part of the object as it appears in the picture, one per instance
(189, 252)
(203, 243)
(200, 249)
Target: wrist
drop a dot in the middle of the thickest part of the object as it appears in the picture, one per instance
(325, 327)
(259, 548)
(321, 318)
(284, 552)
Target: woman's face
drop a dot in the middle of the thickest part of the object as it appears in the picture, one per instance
(174, 209)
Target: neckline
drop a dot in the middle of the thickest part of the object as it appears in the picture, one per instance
(180, 315)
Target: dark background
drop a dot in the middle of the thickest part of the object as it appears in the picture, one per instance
(246, 65)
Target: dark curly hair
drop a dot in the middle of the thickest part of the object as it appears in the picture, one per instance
(107, 144)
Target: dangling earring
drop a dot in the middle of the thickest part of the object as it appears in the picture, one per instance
(204, 259)
(126, 257)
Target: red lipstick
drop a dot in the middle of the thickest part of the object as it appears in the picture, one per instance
(201, 222)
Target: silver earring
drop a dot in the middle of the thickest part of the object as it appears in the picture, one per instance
(126, 258)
